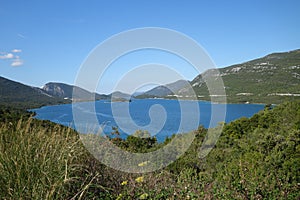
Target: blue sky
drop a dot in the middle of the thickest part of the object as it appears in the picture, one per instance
(43, 41)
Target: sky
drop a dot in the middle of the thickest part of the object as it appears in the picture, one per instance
(48, 41)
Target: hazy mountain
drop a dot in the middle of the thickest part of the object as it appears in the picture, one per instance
(164, 90)
(119, 96)
(65, 91)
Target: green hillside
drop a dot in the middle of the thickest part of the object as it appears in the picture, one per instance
(18, 95)
(272, 79)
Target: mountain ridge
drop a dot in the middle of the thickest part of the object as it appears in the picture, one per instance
(16, 94)
(164, 90)
(269, 79)
(63, 90)
(19, 95)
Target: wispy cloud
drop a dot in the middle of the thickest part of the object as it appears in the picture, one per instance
(17, 62)
(21, 36)
(16, 50)
(7, 56)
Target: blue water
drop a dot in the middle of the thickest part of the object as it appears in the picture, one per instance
(160, 117)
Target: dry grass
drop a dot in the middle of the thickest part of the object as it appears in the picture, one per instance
(40, 161)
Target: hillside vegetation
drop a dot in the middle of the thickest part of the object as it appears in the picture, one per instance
(256, 158)
(274, 78)
(18, 95)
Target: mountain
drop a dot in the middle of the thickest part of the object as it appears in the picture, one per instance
(270, 79)
(119, 96)
(65, 91)
(164, 90)
(22, 96)
(18, 95)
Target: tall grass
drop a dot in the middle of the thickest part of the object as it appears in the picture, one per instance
(41, 161)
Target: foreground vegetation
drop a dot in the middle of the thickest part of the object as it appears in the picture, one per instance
(256, 158)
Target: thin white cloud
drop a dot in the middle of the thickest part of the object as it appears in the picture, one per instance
(21, 36)
(17, 62)
(16, 50)
(7, 56)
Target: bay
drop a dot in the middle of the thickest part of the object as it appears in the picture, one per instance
(160, 117)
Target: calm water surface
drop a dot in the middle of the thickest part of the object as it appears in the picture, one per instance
(166, 115)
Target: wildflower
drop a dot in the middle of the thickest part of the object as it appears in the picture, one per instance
(124, 183)
(144, 196)
(119, 197)
(139, 179)
(142, 164)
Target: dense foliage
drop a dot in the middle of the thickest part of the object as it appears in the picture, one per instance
(254, 158)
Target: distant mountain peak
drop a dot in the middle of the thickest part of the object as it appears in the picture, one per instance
(165, 90)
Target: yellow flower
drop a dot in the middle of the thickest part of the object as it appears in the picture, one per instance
(144, 196)
(124, 183)
(139, 179)
(119, 197)
(142, 164)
